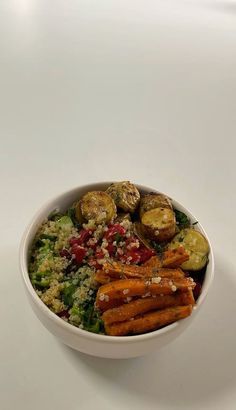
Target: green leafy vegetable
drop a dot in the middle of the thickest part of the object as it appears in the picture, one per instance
(65, 222)
(118, 238)
(182, 220)
(41, 280)
(71, 214)
(54, 215)
(67, 294)
(87, 317)
(158, 247)
(41, 240)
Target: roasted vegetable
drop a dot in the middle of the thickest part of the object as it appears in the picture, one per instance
(159, 224)
(149, 321)
(117, 270)
(123, 216)
(78, 213)
(140, 306)
(140, 287)
(195, 244)
(125, 195)
(97, 206)
(152, 201)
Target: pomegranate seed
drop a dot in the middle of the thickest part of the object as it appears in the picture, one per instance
(79, 252)
(64, 253)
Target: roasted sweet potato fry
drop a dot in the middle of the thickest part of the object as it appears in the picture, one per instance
(149, 321)
(169, 259)
(106, 304)
(119, 270)
(143, 305)
(170, 273)
(153, 262)
(174, 258)
(103, 277)
(139, 287)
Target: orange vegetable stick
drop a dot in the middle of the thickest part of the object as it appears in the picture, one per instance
(143, 305)
(117, 269)
(139, 287)
(149, 321)
(120, 270)
(153, 262)
(173, 258)
(104, 277)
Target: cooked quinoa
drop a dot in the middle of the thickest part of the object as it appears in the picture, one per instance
(64, 278)
(71, 250)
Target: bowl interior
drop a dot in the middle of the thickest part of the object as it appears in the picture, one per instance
(61, 203)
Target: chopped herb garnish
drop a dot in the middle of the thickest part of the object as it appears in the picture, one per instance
(182, 220)
(118, 237)
(67, 294)
(41, 280)
(71, 214)
(54, 215)
(158, 247)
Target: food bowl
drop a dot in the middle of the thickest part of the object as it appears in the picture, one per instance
(96, 344)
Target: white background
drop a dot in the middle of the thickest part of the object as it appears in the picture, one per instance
(112, 90)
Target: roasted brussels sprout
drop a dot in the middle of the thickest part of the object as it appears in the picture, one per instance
(153, 200)
(96, 205)
(159, 224)
(126, 196)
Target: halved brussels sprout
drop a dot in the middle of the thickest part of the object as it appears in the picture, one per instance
(125, 195)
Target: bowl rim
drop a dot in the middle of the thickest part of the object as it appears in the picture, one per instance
(23, 263)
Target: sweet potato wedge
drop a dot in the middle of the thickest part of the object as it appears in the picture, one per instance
(140, 287)
(173, 258)
(153, 262)
(144, 305)
(103, 277)
(149, 321)
(106, 304)
(119, 270)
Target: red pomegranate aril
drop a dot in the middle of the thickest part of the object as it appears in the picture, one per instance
(84, 235)
(74, 241)
(64, 253)
(113, 230)
(131, 240)
(132, 257)
(111, 249)
(92, 243)
(93, 263)
(145, 254)
(79, 252)
(99, 255)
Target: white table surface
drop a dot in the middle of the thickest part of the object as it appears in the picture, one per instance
(111, 90)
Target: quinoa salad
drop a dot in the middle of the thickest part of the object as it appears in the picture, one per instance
(119, 262)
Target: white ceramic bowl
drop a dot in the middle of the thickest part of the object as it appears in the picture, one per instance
(90, 343)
